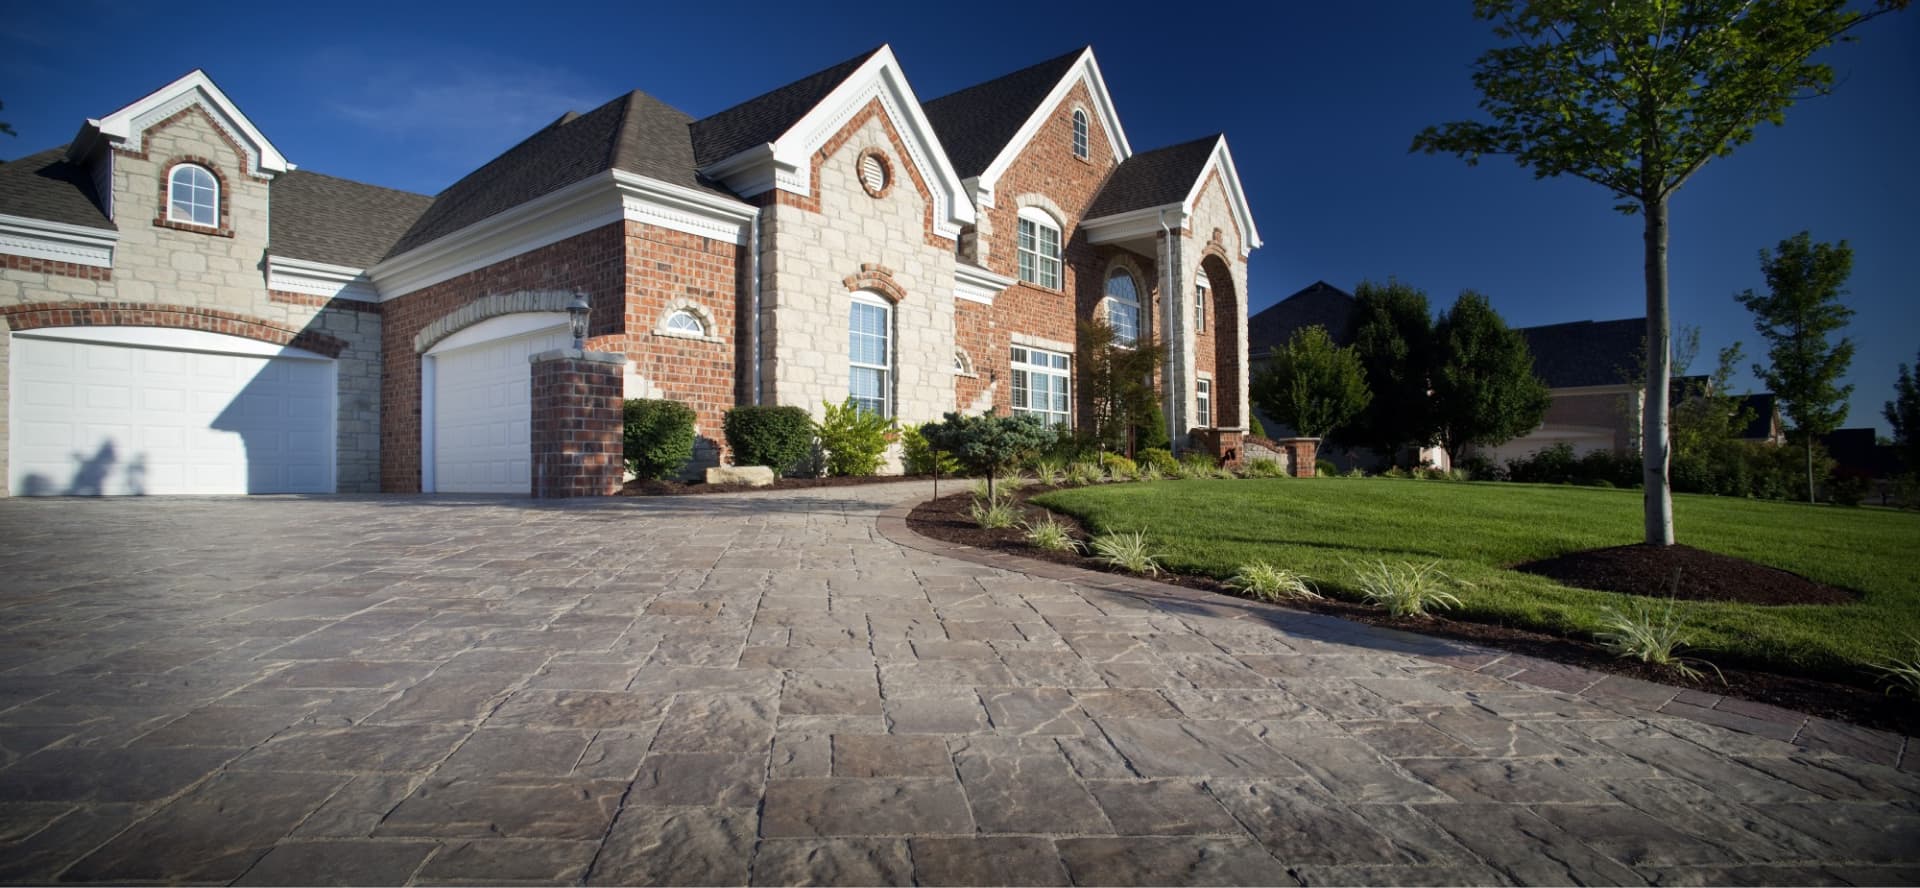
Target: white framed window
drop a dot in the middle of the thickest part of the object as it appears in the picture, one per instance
(1079, 133)
(1203, 393)
(193, 196)
(1201, 296)
(1042, 385)
(870, 353)
(962, 363)
(685, 323)
(1039, 249)
(1123, 307)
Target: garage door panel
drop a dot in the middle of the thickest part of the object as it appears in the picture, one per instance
(114, 418)
(482, 415)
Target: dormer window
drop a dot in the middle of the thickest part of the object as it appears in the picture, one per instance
(1079, 133)
(193, 196)
(1039, 249)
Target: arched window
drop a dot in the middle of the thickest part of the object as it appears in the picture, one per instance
(686, 323)
(193, 196)
(870, 353)
(1123, 307)
(1079, 133)
(1039, 248)
(962, 363)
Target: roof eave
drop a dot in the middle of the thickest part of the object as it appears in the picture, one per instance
(1087, 67)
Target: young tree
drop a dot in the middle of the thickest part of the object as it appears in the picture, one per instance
(1118, 380)
(1903, 414)
(1312, 384)
(1708, 414)
(1484, 390)
(1636, 98)
(1393, 338)
(1804, 306)
(989, 443)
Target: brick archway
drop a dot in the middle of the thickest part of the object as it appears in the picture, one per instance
(1226, 340)
(44, 315)
(490, 306)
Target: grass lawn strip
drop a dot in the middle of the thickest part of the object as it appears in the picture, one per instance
(1331, 528)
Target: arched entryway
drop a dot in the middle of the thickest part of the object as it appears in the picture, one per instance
(1218, 358)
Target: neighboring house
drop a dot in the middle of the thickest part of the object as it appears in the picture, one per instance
(1765, 426)
(187, 312)
(1588, 366)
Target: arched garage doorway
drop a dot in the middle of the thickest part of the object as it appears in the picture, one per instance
(476, 403)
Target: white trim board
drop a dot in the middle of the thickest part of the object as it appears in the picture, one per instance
(57, 241)
(127, 126)
(1085, 69)
(173, 340)
(320, 279)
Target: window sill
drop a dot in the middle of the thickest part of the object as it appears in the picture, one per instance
(689, 337)
(213, 231)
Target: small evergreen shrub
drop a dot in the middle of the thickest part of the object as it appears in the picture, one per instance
(656, 437)
(921, 458)
(1120, 468)
(780, 438)
(855, 440)
(1325, 468)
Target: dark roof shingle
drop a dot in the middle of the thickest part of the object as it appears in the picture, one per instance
(1583, 353)
(338, 221)
(1320, 304)
(636, 133)
(768, 116)
(44, 185)
(976, 123)
(1153, 178)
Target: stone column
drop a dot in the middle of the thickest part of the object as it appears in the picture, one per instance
(576, 431)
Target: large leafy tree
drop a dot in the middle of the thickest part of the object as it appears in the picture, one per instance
(1392, 334)
(1903, 414)
(1637, 96)
(1312, 384)
(1118, 380)
(1802, 309)
(1484, 390)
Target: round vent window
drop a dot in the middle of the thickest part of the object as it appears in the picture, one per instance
(874, 174)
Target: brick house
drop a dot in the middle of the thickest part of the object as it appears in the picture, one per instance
(185, 311)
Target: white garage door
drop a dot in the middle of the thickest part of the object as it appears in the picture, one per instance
(130, 410)
(482, 413)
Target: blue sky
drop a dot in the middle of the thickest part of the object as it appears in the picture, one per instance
(1319, 102)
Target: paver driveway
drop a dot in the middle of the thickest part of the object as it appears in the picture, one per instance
(762, 688)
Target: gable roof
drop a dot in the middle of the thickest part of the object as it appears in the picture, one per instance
(977, 122)
(338, 221)
(1584, 353)
(766, 117)
(1154, 178)
(1765, 410)
(127, 126)
(1320, 303)
(46, 185)
(636, 133)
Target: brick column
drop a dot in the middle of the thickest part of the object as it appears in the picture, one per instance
(1301, 455)
(1228, 446)
(576, 430)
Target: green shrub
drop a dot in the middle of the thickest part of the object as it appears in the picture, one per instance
(995, 513)
(1548, 465)
(1650, 638)
(1325, 468)
(1194, 464)
(1355, 472)
(988, 445)
(1396, 472)
(1120, 468)
(1152, 434)
(1048, 470)
(855, 440)
(1082, 472)
(921, 458)
(1265, 467)
(1847, 489)
(1266, 582)
(1127, 551)
(1149, 472)
(1407, 589)
(1901, 675)
(1256, 429)
(1478, 468)
(657, 437)
(1050, 535)
(780, 438)
(1162, 461)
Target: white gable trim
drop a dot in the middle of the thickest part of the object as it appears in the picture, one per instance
(976, 284)
(1085, 69)
(126, 126)
(57, 241)
(787, 162)
(591, 203)
(1222, 159)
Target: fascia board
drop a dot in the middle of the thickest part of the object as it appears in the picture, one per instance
(1087, 69)
(119, 126)
(1222, 159)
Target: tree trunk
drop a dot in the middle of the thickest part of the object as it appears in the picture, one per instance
(1654, 449)
(1810, 497)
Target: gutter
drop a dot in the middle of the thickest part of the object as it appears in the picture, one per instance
(753, 271)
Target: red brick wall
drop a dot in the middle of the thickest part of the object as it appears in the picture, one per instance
(575, 432)
(1048, 166)
(593, 262)
(11, 262)
(664, 267)
(973, 331)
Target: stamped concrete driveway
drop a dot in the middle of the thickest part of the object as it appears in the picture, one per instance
(764, 689)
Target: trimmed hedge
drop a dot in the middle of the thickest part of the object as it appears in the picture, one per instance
(779, 438)
(657, 437)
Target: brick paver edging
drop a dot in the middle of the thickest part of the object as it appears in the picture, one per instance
(1615, 691)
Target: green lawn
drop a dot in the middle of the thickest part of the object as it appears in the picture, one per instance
(1327, 527)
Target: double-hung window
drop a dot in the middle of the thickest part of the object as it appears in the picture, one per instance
(1041, 386)
(1123, 307)
(1039, 249)
(870, 354)
(1203, 393)
(1201, 296)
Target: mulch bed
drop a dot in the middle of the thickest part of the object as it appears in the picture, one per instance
(1684, 572)
(947, 519)
(638, 487)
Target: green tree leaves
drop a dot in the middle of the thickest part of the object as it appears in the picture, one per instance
(1312, 384)
(1797, 315)
(1484, 390)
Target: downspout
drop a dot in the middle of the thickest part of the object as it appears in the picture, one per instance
(1166, 326)
(753, 272)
